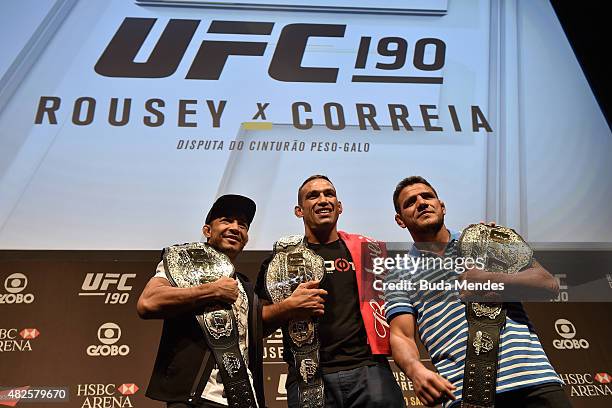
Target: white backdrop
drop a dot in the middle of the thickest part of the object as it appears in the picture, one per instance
(543, 170)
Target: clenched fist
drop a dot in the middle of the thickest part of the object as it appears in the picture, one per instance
(226, 290)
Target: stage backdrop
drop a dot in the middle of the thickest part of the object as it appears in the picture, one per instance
(121, 121)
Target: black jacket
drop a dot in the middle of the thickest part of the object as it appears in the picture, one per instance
(183, 353)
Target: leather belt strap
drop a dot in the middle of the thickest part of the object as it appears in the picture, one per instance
(504, 251)
(485, 322)
(306, 359)
(221, 335)
(310, 379)
(294, 263)
(190, 265)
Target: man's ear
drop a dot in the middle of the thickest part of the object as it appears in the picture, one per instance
(298, 211)
(399, 221)
(443, 207)
(206, 231)
(339, 207)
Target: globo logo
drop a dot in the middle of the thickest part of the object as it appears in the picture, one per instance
(14, 284)
(567, 331)
(108, 334)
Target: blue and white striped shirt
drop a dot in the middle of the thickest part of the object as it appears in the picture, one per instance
(443, 329)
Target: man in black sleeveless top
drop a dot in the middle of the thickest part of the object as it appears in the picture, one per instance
(182, 375)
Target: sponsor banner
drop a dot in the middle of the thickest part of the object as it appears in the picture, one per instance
(588, 385)
(108, 335)
(87, 342)
(15, 286)
(17, 340)
(66, 340)
(568, 339)
(273, 348)
(106, 395)
(114, 288)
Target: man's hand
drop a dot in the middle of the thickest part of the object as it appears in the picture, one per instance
(161, 300)
(431, 387)
(306, 301)
(479, 276)
(226, 290)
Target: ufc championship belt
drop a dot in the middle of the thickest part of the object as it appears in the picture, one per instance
(294, 263)
(503, 251)
(194, 264)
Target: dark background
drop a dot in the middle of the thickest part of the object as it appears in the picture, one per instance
(587, 26)
(68, 324)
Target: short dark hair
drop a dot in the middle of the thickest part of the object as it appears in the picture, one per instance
(408, 181)
(308, 180)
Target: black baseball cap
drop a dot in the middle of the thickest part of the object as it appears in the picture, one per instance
(232, 204)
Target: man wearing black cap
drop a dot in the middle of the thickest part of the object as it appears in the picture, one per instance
(184, 374)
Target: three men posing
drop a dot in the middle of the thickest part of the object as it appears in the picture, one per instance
(352, 350)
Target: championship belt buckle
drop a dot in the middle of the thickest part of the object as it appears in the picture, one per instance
(192, 265)
(292, 264)
(502, 248)
(301, 332)
(503, 251)
(218, 323)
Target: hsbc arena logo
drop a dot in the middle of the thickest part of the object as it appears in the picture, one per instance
(106, 395)
(588, 384)
(15, 340)
(14, 285)
(109, 335)
(568, 341)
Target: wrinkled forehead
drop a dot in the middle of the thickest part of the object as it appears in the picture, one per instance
(318, 185)
(414, 190)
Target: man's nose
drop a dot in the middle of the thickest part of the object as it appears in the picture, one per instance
(323, 199)
(421, 203)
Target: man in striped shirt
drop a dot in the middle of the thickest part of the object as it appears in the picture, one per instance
(525, 377)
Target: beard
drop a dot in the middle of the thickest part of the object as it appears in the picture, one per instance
(430, 228)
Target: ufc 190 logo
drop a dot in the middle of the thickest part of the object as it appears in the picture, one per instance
(117, 60)
(114, 287)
